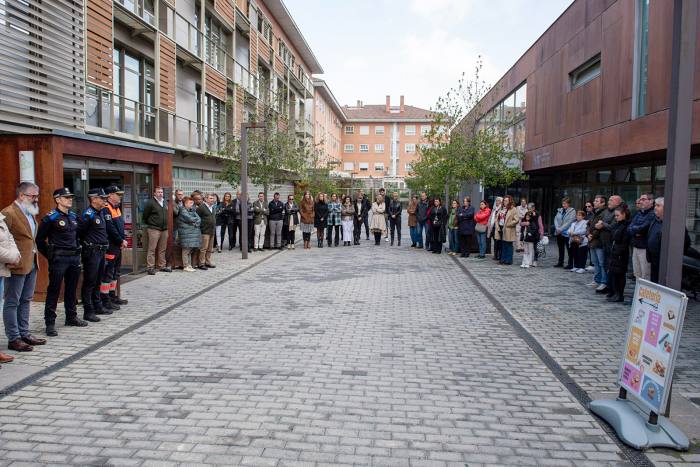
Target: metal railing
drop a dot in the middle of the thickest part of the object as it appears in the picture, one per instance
(118, 114)
(139, 8)
(224, 62)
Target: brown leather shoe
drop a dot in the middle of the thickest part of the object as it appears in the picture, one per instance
(31, 340)
(19, 346)
(4, 358)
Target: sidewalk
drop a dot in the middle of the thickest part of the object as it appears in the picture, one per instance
(585, 334)
(147, 296)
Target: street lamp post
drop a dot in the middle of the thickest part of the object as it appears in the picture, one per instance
(244, 185)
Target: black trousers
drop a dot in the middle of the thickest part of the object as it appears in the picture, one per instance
(395, 226)
(366, 222)
(497, 247)
(435, 243)
(563, 245)
(619, 279)
(465, 242)
(377, 238)
(329, 234)
(64, 269)
(251, 230)
(93, 268)
(289, 238)
(233, 228)
(357, 230)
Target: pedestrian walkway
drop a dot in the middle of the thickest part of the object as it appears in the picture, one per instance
(348, 355)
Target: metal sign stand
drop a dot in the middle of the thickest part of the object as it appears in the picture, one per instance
(646, 371)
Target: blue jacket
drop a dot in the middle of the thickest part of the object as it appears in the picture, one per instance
(465, 220)
(639, 227)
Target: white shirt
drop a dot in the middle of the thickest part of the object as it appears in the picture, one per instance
(160, 201)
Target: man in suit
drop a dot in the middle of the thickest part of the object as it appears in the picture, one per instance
(207, 212)
(19, 287)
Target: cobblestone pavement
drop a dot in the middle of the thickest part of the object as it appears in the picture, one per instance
(585, 334)
(350, 355)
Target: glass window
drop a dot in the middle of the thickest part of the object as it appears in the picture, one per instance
(642, 58)
(410, 130)
(585, 73)
(604, 176)
(410, 148)
(379, 148)
(348, 166)
(640, 174)
(379, 130)
(364, 130)
(520, 101)
(508, 109)
(424, 130)
(364, 165)
(519, 136)
(379, 166)
(349, 130)
(349, 148)
(364, 147)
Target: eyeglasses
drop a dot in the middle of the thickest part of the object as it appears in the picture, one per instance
(31, 196)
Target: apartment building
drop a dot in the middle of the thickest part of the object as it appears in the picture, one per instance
(382, 141)
(588, 102)
(142, 93)
(328, 127)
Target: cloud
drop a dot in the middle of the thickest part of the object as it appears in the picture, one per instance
(441, 11)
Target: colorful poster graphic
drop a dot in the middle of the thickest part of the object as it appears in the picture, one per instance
(652, 392)
(632, 377)
(652, 341)
(633, 345)
(653, 324)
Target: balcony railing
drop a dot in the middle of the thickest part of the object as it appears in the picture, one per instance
(245, 79)
(223, 62)
(140, 8)
(120, 115)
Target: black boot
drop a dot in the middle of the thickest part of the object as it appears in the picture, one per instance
(91, 316)
(75, 321)
(115, 299)
(107, 303)
(399, 242)
(51, 330)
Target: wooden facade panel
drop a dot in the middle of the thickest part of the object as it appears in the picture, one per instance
(226, 10)
(659, 63)
(215, 83)
(168, 73)
(99, 43)
(254, 42)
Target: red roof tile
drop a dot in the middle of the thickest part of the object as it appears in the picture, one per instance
(378, 112)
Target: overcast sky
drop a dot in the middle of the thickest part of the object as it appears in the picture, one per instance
(418, 48)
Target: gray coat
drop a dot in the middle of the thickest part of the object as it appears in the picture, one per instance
(188, 233)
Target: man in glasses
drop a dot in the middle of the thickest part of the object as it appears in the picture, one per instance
(19, 287)
(638, 230)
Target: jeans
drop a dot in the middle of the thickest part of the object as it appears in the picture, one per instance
(19, 291)
(481, 238)
(420, 226)
(598, 257)
(413, 231)
(506, 252)
(453, 240)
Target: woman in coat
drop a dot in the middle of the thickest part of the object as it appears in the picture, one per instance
(224, 221)
(320, 217)
(529, 236)
(493, 227)
(578, 242)
(508, 219)
(189, 233)
(308, 214)
(9, 255)
(466, 222)
(481, 225)
(290, 220)
(334, 220)
(347, 214)
(618, 261)
(412, 221)
(378, 223)
(438, 225)
(453, 229)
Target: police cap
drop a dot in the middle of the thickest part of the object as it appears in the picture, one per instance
(63, 193)
(95, 192)
(114, 189)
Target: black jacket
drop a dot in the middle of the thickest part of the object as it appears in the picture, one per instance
(290, 214)
(422, 211)
(465, 220)
(363, 212)
(601, 237)
(320, 215)
(394, 209)
(654, 240)
(208, 225)
(618, 260)
(276, 210)
(225, 214)
(438, 219)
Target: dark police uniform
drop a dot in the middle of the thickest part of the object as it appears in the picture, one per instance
(57, 240)
(92, 230)
(113, 257)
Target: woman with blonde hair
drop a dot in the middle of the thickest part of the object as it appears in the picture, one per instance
(508, 219)
(307, 211)
(378, 223)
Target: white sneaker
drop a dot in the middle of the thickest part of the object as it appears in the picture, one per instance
(524, 266)
(386, 239)
(592, 284)
(580, 271)
(590, 269)
(189, 269)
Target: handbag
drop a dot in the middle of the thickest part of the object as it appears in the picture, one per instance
(481, 228)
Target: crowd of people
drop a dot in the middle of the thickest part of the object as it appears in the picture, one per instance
(602, 238)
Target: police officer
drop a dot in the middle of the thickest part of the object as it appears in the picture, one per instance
(117, 241)
(57, 240)
(92, 231)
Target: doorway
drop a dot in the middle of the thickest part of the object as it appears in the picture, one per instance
(82, 174)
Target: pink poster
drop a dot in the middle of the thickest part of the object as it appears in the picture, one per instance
(631, 377)
(653, 325)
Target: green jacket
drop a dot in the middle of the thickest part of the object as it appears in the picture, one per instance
(154, 216)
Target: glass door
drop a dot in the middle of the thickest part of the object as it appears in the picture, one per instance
(142, 190)
(75, 180)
